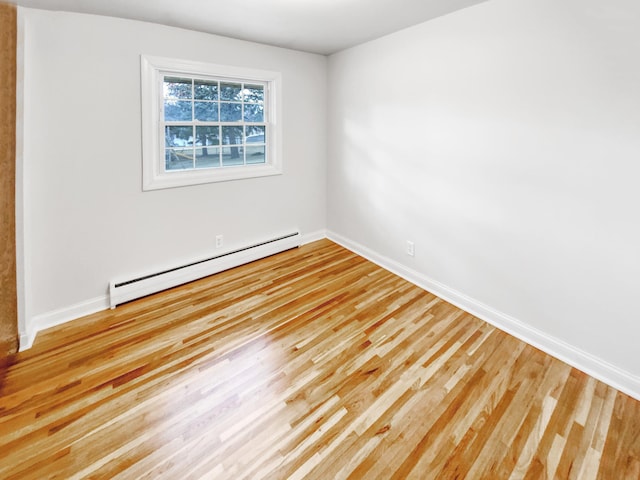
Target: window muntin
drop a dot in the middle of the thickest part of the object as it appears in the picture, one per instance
(206, 123)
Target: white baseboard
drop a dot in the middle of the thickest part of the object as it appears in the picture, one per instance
(614, 376)
(73, 312)
(313, 236)
(60, 316)
(26, 340)
(590, 364)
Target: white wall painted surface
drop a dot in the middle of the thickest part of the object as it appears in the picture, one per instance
(504, 140)
(86, 215)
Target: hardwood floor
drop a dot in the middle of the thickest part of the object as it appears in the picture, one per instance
(315, 364)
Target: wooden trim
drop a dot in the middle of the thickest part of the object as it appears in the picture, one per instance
(8, 294)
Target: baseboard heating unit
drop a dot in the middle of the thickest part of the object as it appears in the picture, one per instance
(122, 291)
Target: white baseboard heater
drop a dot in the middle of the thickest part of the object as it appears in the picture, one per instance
(122, 291)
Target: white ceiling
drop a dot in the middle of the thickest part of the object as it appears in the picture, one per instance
(319, 26)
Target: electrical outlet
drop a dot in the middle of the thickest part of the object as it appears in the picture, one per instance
(219, 241)
(410, 248)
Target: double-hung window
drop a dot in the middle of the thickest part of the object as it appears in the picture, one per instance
(207, 123)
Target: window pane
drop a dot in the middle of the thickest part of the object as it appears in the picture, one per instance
(230, 112)
(232, 155)
(255, 134)
(178, 158)
(175, 88)
(255, 154)
(253, 93)
(207, 157)
(231, 91)
(206, 111)
(253, 112)
(178, 136)
(207, 136)
(206, 89)
(232, 135)
(177, 110)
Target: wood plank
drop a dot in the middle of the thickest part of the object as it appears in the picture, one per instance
(313, 363)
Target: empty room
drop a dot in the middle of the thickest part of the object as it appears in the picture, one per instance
(320, 239)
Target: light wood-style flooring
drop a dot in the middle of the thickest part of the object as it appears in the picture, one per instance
(311, 364)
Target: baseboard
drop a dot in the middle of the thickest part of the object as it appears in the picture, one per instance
(26, 339)
(73, 312)
(596, 367)
(313, 236)
(590, 364)
(60, 316)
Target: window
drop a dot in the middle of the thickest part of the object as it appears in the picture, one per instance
(207, 123)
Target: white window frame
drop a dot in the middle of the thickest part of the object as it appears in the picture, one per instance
(154, 175)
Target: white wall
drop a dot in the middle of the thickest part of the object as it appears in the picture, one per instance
(87, 219)
(504, 140)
